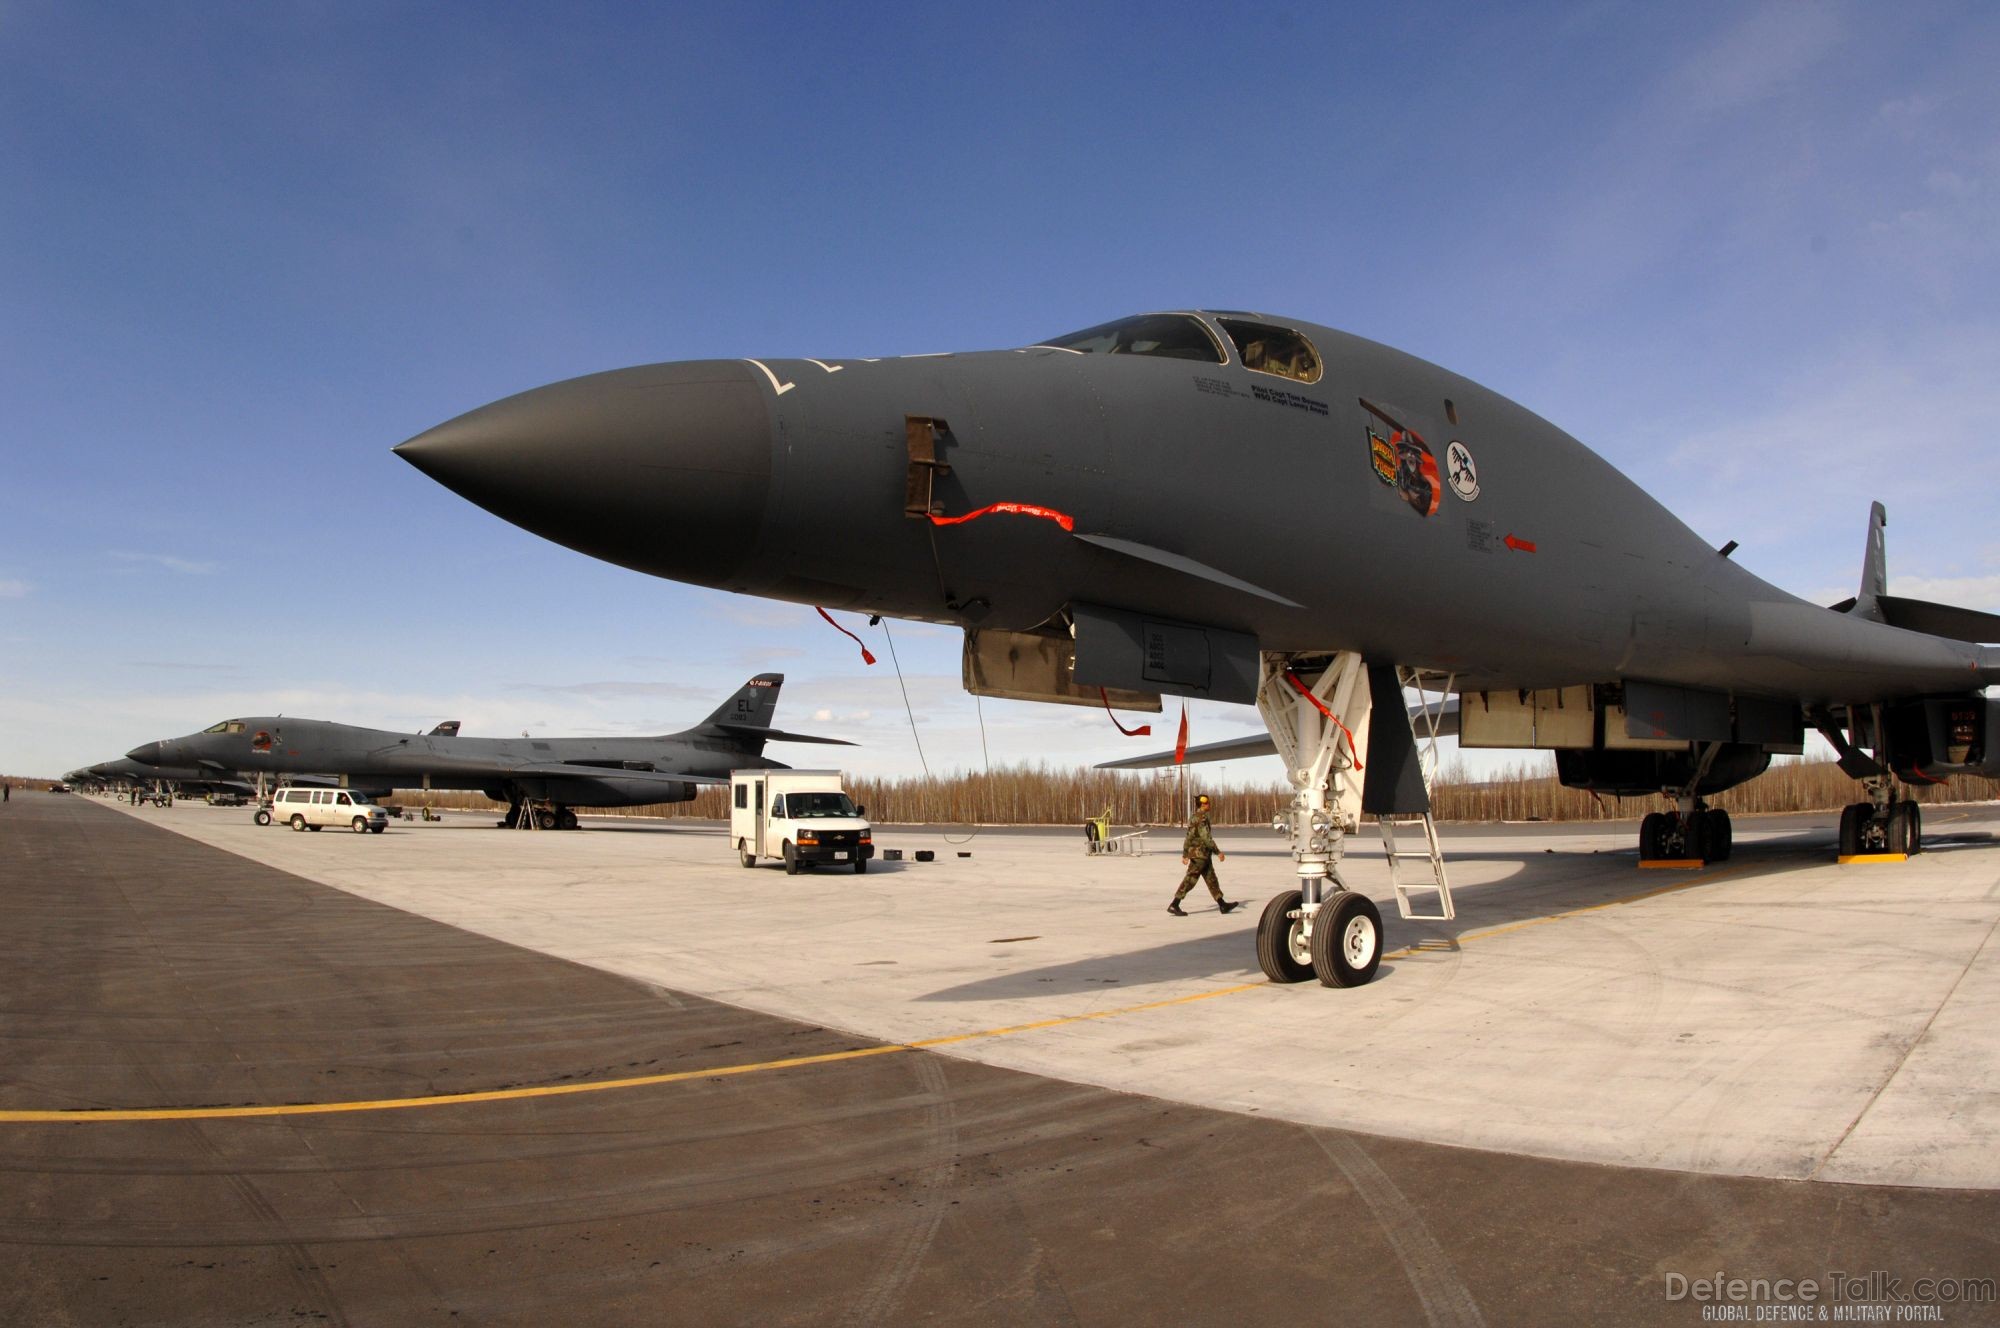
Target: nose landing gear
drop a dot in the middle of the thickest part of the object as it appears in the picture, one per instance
(1322, 929)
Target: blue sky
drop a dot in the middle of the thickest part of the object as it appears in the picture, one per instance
(1747, 252)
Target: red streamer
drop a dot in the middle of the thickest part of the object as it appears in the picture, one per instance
(1180, 747)
(1306, 692)
(866, 658)
(1013, 509)
(1143, 731)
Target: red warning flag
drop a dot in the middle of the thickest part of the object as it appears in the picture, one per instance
(1334, 719)
(866, 658)
(1143, 731)
(1180, 746)
(1014, 509)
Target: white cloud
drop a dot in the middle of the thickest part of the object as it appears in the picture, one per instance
(1965, 592)
(10, 589)
(1772, 45)
(185, 566)
(1908, 424)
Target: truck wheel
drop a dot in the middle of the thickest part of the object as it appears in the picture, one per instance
(743, 853)
(791, 859)
(315, 829)
(262, 817)
(298, 821)
(377, 829)
(360, 825)
(860, 865)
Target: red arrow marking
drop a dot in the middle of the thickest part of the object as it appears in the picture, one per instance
(1525, 546)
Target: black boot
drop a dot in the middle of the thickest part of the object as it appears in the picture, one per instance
(1176, 909)
(1227, 906)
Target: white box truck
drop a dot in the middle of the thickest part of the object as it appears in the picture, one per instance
(801, 817)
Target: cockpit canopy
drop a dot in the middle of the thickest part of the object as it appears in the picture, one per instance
(226, 726)
(1260, 347)
(1170, 336)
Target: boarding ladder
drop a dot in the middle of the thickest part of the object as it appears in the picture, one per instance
(1430, 720)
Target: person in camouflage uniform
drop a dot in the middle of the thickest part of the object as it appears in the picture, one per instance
(1196, 850)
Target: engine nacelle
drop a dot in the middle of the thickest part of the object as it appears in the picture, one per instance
(1629, 774)
(1941, 736)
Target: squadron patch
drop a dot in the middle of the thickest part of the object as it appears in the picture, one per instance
(1458, 467)
(1383, 454)
(1404, 462)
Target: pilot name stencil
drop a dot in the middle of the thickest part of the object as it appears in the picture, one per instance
(1280, 397)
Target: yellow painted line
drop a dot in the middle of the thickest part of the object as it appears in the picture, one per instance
(1852, 858)
(1429, 945)
(1679, 864)
(76, 1115)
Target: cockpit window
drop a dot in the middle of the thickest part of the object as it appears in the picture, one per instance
(226, 726)
(1274, 350)
(1170, 336)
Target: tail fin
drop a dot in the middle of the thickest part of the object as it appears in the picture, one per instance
(752, 706)
(1874, 567)
(1876, 604)
(744, 720)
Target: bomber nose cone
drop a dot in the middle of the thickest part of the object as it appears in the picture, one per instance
(664, 468)
(146, 754)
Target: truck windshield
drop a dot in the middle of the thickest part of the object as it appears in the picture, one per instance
(808, 806)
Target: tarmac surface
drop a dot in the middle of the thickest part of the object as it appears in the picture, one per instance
(485, 1131)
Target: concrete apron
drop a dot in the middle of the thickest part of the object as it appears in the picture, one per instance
(1776, 1015)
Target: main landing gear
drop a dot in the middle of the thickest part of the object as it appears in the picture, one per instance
(1693, 831)
(538, 814)
(1322, 929)
(1699, 832)
(1882, 824)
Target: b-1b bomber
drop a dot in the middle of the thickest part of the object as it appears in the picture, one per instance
(1256, 509)
(542, 779)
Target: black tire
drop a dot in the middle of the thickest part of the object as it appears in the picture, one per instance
(1347, 940)
(262, 817)
(1916, 826)
(377, 829)
(1090, 831)
(1850, 828)
(298, 821)
(860, 866)
(360, 825)
(1649, 835)
(1721, 835)
(791, 859)
(315, 829)
(566, 819)
(743, 853)
(1694, 836)
(1898, 828)
(1277, 946)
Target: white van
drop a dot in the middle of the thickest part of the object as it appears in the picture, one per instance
(314, 809)
(803, 817)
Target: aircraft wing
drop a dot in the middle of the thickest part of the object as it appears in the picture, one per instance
(1259, 744)
(1239, 749)
(578, 770)
(777, 735)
